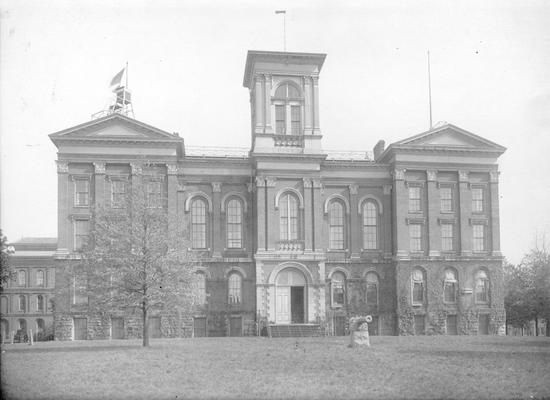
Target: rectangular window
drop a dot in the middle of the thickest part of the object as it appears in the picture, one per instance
(337, 294)
(449, 292)
(81, 192)
(295, 120)
(81, 233)
(447, 238)
(415, 235)
(80, 289)
(446, 197)
(418, 292)
(477, 199)
(234, 225)
(280, 120)
(154, 190)
(118, 193)
(21, 278)
(479, 237)
(414, 199)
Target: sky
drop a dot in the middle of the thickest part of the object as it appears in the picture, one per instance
(490, 69)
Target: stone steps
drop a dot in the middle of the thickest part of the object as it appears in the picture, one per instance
(294, 330)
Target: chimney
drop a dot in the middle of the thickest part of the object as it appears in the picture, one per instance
(378, 149)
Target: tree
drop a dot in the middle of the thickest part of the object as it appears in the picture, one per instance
(6, 272)
(136, 260)
(528, 289)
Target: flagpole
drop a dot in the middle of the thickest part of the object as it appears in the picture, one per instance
(126, 74)
(430, 89)
(284, 32)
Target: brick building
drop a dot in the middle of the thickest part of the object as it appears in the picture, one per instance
(292, 235)
(27, 301)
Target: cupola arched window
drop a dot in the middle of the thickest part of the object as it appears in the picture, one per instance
(288, 212)
(198, 223)
(370, 225)
(234, 224)
(288, 110)
(336, 225)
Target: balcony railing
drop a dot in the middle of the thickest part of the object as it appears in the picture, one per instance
(289, 140)
(290, 245)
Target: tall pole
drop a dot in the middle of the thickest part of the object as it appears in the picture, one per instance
(284, 26)
(430, 89)
(126, 74)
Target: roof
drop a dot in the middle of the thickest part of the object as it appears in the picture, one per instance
(283, 57)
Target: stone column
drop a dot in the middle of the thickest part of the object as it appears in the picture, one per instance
(261, 214)
(272, 222)
(259, 128)
(308, 106)
(401, 207)
(434, 242)
(308, 215)
(63, 201)
(99, 183)
(465, 210)
(217, 245)
(172, 197)
(316, 126)
(318, 213)
(495, 219)
(267, 107)
(356, 239)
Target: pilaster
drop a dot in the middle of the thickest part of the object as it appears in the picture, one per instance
(317, 188)
(172, 197)
(495, 219)
(272, 222)
(465, 210)
(217, 245)
(308, 106)
(99, 183)
(434, 241)
(400, 205)
(259, 112)
(261, 216)
(356, 242)
(308, 215)
(386, 238)
(316, 124)
(268, 128)
(63, 198)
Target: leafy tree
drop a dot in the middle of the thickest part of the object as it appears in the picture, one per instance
(518, 300)
(6, 271)
(136, 260)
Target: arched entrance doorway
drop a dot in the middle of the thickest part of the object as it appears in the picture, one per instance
(290, 307)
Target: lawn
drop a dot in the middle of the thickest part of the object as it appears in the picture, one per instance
(458, 367)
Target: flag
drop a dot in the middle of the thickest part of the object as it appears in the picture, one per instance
(280, 11)
(117, 78)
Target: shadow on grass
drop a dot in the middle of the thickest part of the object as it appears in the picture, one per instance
(477, 354)
(71, 349)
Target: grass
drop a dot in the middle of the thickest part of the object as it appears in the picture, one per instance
(458, 367)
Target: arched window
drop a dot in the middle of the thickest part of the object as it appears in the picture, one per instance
(39, 278)
(235, 288)
(201, 288)
(22, 325)
(21, 278)
(234, 224)
(338, 289)
(418, 287)
(336, 225)
(372, 289)
(40, 303)
(288, 110)
(288, 211)
(481, 287)
(3, 305)
(370, 225)
(198, 223)
(40, 325)
(22, 303)
(450, 286)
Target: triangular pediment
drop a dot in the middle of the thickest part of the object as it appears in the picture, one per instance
(114, 127)
(449, 136)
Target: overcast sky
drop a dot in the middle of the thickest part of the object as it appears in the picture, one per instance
(490, 63)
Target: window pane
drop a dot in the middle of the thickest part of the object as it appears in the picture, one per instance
(234, 224)
(21, 278)
(415, 234)
(198, 224)
(336, 221)
(482, 287)
(40, 303)
(447, 237)
(234, 289)
(201, 288)
(418, 292)
(370, 226)
(446, 195)
(477, 199)
(81, 192)
(338, 289)
(449, 291)
(154, 194)
(479, 237)
(414, 199)
(295, 119)
(39, 278)
(288, 212)
(280, 119)
(118, 193)
(22, 303)
(82, 230)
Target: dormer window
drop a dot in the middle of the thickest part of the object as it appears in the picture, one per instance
(288, 110)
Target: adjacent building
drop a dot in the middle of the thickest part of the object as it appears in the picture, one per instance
(294, 238)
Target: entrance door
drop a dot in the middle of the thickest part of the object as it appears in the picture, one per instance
(154, 327)
(235, 326)
(483, 324)
(297, 304)
(117, 328)
(199, 327)
(339, 326)
(80, 329)
(283, 305)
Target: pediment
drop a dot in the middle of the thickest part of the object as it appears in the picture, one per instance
(114, 127)
(449, 136)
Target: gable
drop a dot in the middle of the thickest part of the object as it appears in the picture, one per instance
(449, 136)
(114, 126)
